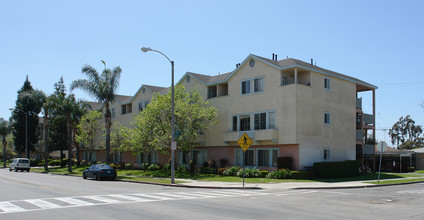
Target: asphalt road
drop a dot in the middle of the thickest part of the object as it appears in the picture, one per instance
(41, 196)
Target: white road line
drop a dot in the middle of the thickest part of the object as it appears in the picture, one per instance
(42, 203)
(78, 201)
(75, 202)
(131, 198)
(156, 197)
(102, 199)
(8, 207)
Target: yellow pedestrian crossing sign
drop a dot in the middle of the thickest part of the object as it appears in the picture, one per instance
(244, 142)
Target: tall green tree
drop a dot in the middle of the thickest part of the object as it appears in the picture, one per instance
(28, 104)
(103, 88)
(5, 130)
(152, 127)
(88, 129)
(406, 133)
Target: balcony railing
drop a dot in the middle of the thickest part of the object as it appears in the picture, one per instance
(369, 149)
(266, 135)
(359, 135)
(359, 103)
(369, 119)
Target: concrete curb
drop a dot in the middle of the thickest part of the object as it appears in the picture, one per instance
(358, 187)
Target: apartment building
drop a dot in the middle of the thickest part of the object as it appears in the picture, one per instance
(289, 108)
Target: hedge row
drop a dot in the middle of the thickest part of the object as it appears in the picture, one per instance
(337, 169)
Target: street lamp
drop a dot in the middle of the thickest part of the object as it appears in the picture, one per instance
(26, 128)
(173, 143)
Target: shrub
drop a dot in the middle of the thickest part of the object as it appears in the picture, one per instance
(280, 174)
(211, 163)
(153, 167)
(410, 169)
(337, 169)
(182, 168)
(206, 170)
(128, 166)
(221, 171)
(34, 162)
(248, 173)
(301, 175)
(231, 171)
(166, 166)
(54, 163)
(263, 173)
(223, 162)
(285, 163)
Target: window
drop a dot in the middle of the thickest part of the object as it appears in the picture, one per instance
(260, 121)
(117, 157)
(212, 91)
(327, 118)
(327, 154)
(267, 157)
(284, 79)
(113, 113)
(150, 157)
(140, 106)
(183, 157)
(123, 110)
(258, 84)
(264, 120)
(234, 123)
(200, 156)
(244, 122)
(89, 156)
(249, 157)
(146, 103)
(245, 87)
(327, 83)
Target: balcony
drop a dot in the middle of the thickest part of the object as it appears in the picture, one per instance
(359, 135)
(369, 119)
(359, 103)
(369, 149)
(266, 135)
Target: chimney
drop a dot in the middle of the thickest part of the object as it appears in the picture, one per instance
(312, 61)
(273, 56)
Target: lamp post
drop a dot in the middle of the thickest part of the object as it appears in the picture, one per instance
(26, 129)
(173, 143)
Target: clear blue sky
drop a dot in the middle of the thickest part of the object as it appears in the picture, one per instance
(380, 42)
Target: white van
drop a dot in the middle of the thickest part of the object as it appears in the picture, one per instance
(20, 164)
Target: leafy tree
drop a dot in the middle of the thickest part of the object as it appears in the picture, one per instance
(103, 88)
(5, 130)
(28, 104)
(406, 133)
(120, 138)
(88, 128)
(152, 127)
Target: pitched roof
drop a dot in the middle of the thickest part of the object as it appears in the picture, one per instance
(95, 105)
(155, 89)
(210, 79)
(122, 98)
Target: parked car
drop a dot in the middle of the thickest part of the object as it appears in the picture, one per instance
(99, 172)
(20, 164)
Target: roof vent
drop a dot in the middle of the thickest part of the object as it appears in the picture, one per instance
(273, 56)
(312, 61)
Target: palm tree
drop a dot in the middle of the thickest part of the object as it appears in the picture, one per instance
(102, 88)
(5, 129)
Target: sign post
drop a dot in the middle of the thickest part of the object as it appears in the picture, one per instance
(244, 143)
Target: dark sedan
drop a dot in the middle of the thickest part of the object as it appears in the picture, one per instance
(99, 172)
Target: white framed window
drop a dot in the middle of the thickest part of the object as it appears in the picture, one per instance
(245, 87)
(327, 118)
(146, 103)
(90, 156)
(140, 106)
(327, 83)
(267, 157)
(244, 122)
(249, 157)
(258, 84)
(200, 156)
(284, 79)
(184, 157)
(113, 112)
(326, 154)
(241, 122)
(123, 109)
(264, 120)
(148, 157)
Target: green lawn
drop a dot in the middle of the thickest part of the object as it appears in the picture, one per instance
(162, 176)
(398, 181)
